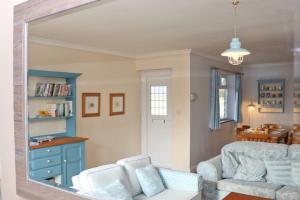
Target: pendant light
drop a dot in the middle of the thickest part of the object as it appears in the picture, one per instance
(235, 54)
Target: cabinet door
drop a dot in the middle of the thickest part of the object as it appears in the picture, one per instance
(73, 161)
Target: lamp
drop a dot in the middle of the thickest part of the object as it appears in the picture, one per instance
(251, 106)
(235, 53)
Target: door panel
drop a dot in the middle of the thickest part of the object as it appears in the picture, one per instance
(74, 161)
(158, 129)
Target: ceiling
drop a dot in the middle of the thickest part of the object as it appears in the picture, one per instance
(136, 27)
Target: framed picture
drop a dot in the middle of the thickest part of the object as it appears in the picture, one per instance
(91, 104)
(117, 104)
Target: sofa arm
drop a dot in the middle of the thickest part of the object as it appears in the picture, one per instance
(211, 170)
(179, 180)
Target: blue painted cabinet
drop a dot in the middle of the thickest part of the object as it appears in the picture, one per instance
(73, 161)
(64, 160)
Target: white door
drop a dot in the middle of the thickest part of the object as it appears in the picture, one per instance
(157, 136)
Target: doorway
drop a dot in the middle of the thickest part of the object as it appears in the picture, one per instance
(156, 116)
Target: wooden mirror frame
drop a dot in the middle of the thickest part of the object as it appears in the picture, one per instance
(23, 14)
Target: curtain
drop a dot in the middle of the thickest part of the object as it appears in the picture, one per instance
(214, 122)
(238, 98)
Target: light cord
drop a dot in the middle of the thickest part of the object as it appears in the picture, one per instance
(235, 4)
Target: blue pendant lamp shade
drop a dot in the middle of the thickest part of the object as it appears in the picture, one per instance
(235, 54)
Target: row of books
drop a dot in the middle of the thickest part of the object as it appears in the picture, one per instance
(53, 89)
(60, 109)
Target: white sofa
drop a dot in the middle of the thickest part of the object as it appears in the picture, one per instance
(179, 185)
(215, 186)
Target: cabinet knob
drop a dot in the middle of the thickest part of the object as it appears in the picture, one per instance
(49, 171)
(65, 161)
(48, 161)
(48, 150)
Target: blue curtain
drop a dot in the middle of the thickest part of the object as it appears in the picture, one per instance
(214, 122)
(238, 98)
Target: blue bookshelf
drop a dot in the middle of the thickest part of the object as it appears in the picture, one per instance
(271, 95)
(70, 78)
(65, 159)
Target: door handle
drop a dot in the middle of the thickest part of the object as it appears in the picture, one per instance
(153, 120)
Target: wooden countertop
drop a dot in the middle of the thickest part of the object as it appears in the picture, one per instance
(59, 141)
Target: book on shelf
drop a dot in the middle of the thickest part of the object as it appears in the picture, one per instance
(53, 90)
(64, 109)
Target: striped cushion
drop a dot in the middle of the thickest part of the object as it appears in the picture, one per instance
(296, 172)
(279, 171)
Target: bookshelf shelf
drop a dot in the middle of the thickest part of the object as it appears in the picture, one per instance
(36, 119)
(50, 97)
(271, 95)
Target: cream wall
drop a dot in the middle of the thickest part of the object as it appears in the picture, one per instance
(205, 144)
(180, 102)
(110, 137)
(7, 146)
(267, 71)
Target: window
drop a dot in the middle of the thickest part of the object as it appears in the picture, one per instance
(223, 95)
(159, 98)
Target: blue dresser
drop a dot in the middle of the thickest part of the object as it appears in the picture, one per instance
(62, 157)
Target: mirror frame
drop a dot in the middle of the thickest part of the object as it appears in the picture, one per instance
(23, 14)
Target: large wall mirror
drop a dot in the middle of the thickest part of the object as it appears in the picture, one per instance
(82, 75)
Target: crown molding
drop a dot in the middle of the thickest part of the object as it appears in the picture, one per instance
(268, 64)
(213, 58)
(58, 43)
(164, 53)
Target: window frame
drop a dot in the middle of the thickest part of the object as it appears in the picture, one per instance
(226, 88)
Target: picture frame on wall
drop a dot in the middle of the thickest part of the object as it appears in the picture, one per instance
(117, 104)
(91, 104)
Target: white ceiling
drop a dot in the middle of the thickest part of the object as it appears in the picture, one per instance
(136, 27)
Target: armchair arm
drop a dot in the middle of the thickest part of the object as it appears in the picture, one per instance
(211, 170)
(180, 180)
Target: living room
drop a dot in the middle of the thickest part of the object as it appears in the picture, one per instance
(142, 81)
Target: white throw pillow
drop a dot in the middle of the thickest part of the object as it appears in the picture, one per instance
(117, 190)
(150, 180)
(250, 170)
(279, 171)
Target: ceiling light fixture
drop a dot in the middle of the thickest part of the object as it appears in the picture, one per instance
(235, 54)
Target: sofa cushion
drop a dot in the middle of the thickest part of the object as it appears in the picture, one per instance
(250, 169)
(288, 193)
(258, 150)
(296, 172)
(150, 180)
(118, 190)
(92, 180)
(130, 165)
(294, 152)
(259, 189)
(279, 171)
(170, 195)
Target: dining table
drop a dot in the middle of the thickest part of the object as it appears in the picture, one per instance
(279, 135)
